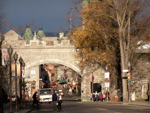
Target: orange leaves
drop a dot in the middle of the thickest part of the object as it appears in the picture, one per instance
(97, 39)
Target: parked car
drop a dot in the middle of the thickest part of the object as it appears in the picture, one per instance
(44, 95)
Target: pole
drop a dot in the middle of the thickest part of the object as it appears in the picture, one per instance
(16, 86)
(10, 87)
(20, 85)
(149, 92)
(20, 60)
(1, 95)
(23, 93)
(107, 94)
(129, 99)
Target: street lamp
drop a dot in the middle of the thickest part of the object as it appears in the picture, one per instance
(15, 58)
(23, 65)
(20, 60)
(107, 87)
(10, 51)
(129, 80)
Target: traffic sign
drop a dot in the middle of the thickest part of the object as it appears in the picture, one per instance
(106, 84)
(106, 74)
(125, 70)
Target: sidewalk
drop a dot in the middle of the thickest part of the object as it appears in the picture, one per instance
(27, 109)
(137, 103)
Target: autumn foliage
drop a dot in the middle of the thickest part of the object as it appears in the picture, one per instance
(96, 40)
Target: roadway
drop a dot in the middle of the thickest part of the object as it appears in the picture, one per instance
(91, 107)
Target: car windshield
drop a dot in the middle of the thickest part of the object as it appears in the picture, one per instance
(45, 92)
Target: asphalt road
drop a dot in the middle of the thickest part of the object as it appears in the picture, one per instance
(91, 107)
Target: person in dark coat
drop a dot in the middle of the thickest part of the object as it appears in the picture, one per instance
(54, 99)
(35, 101)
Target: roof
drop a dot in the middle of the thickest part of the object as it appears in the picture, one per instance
(40, 34)
(27, 35)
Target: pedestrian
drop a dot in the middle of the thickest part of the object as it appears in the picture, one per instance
(91, 96)
(96, 95)
(107, 96)
(148, 95)
(104, 97)
(101, 97)
(54, 99)
(59, 101)
(119, 95)
(35, 101)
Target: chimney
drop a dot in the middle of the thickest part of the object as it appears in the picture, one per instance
(13, 29)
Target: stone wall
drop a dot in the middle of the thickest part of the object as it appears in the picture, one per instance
(140, 75)
(36, 52)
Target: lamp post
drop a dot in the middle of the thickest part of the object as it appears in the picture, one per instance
(149, 92)
(20, 60)
(23, 65)
(15, 58)
(129, 83)
(10, 51)
(106, 87)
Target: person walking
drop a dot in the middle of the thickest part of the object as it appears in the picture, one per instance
(35, 101)
(104, 97)
(119, 95)
(54, 99)
(96, 96)
(59, 101)
(101, 97)
(91, 96)
(107, 96)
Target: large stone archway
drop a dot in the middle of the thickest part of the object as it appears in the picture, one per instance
(50, 50)
(36, 52)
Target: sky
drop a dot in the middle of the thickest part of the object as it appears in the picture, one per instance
(51, 15)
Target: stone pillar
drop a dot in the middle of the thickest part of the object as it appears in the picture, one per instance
(37, 77)
(85, 88)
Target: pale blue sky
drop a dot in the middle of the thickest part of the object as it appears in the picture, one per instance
(49, 14)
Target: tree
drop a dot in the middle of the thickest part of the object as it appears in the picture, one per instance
(125, 12)
(128, 15)
(96, 40)
(31, 23)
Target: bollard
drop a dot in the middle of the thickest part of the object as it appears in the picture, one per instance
(115, 98)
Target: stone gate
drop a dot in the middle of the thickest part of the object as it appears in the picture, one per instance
(49, 50)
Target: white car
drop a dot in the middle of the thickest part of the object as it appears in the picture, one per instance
(45, 95)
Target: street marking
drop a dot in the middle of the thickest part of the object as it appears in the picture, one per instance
(46, 110)
(117, 112)
(101, 109)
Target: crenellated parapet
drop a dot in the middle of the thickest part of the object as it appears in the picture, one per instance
(14, 39)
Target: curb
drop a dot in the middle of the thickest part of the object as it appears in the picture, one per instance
(126, 103)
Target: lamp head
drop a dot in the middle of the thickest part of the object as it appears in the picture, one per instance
(23, 64)
(20, 60)
(10, 50)
(15, 56)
